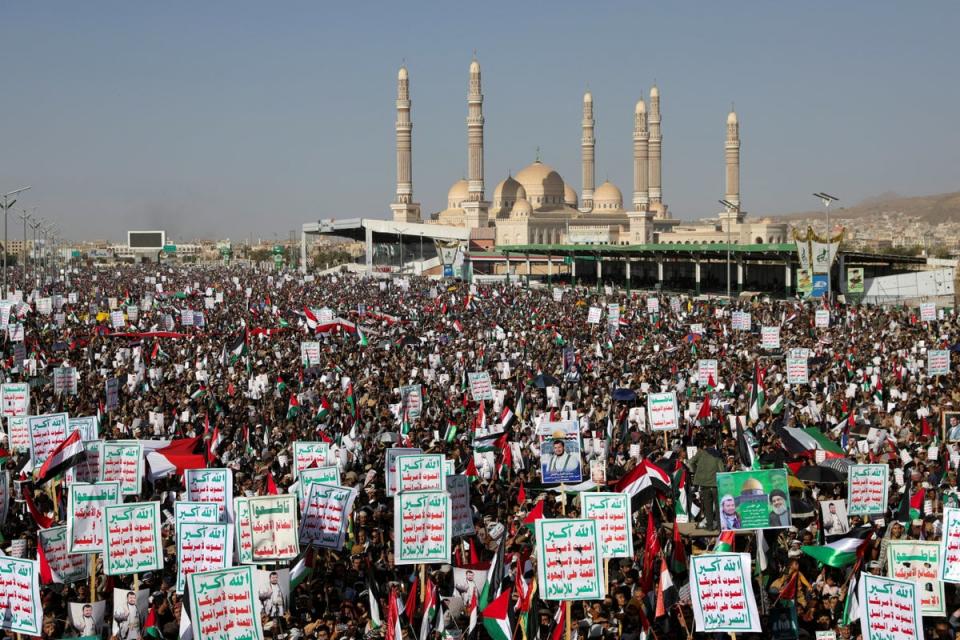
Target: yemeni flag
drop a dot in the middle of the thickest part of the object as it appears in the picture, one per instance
(644, 477)
(312, 322)
(324, 412)
(726, 542)
(68, 454)
(175, 458)
(215, 441)
(840, 553)
(293, 408)
(559, 623)
(507, 418)
(758, 393)
(496, 619)
(666, 592)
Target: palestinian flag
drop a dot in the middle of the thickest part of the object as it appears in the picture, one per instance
(302, 569)
(758, 393)
(806, 442)
(451, 433)
(681, 505)
(215, 441)
(490, 442)
(535, 514)
(281, 384)
(293, 409)
(558, 339)
(726, 542)
(351, 400)
(324, 412)
(840, 553)
(405, 422)
(777, 407)
(362, 337)
(471, 470)
(199, 393)
(643, 477)
(430, 609)
(496, 619)
(678, 555)
(851, 606)
(745, 452)
(237, 348)
(68, 454)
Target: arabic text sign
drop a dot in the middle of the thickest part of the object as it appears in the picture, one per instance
(612, 513)
(65, 567)
(317, 475)
(310, 353)
(706, 369)
(458, 486)
(16, 399)
(569, 559)
(740, 321)
(412, 399)
(420, 473)
(65, 380)
(889, 609)
(918, 562)
(223, 605)
(822, 318)
(196, 512)
(593, 316)
(480, 386)
(770, 337)
(938, 362)
(928, 311)
(273, 527)
(134, 544)
(85, 511)
(18, 433)
(326, 516)
(662, 408)
(722, 594)
(390, 466)
(421, 525)
(308, 454)
(867, 489)
(122, 462)
(949, 570)
(201, 547)
(210, 485)
(243, 536)
(797, 371)
(47, 432)
(20, 609)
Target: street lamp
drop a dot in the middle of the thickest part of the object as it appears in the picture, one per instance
(6, 208)
(36, 224)
(23, 262)
(826, 199)
(730, 207)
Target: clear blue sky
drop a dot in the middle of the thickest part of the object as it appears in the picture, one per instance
(237, 118)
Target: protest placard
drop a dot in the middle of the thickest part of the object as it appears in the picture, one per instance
(560, 452)
(47, 432)
(938, 362)
(740, 321)
(21, 609)
(422, 527)
(18, 433)
(134, 544)
(243, 538)
(653, 305)
(612, 513)
(867, 489)
(86, 618)
(111, 388)
(327, 515)
(593, 315)
(696, 329)
(411, 399)
(65, 381)
(122, 462)
(889, 609)
(273, 527)
(822, 318)
(15, 399)
(461, 514)
(569, 559)
(797, 371)
(329, 474)
(770, 337)
(201, 546)
(753, 500)
(211, 485)
(310, 353)
(420, 472)
(480, 386)
(65, 567)
(721, 593)
(390, 465)
(85, 510)
(707, 371)
(662, 411)
(87, 426)
(928, 311)
(197, 512)
(223, 605)
(88, 469)
(309, 454)
(919, 562)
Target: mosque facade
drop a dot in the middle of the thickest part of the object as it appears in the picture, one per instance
(537, 206)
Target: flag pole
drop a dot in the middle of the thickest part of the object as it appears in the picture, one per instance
(93, 578)
(566, 618)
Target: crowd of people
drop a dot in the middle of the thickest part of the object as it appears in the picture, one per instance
(868, 397)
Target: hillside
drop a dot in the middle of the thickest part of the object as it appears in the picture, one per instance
(935, 209)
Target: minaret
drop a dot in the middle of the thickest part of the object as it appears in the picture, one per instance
(475, 208)
(656, 197)
(732, 147)
(403, 207)
(641, 160)
(587, 145)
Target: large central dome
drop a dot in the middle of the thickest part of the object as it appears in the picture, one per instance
(543, 185)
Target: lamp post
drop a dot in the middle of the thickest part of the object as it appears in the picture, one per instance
(36, 224)
(6, 208)
(730, 207)
(23, 262)
(826, 199)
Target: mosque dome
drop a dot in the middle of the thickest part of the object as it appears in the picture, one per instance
(508, 192)
(457, 194)
(521, 208)
(607, 197)
(569, 196)
(544, 186)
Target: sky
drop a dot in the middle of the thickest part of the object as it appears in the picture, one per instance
(244, 120)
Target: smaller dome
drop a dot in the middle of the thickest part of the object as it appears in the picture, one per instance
(607, 197)
(654, 92)
(732, 118)
(641, 106)
(569, 196)
(402, 74)
(521, 208)
(458, 193)
(588, 97)
(474, 67)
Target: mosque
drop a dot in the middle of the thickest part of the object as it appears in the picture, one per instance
(537, 206)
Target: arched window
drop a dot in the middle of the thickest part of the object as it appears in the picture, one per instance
(758, 241)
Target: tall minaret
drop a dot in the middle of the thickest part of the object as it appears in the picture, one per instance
(403, 207)
(732, 147)
(475, 208)
(641, 160)
(656, 197)
(587, 145)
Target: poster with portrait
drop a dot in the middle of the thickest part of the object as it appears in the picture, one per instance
(86, 618)
(951, 425)
(467, 584)
(834, 517)
(560, 452)
(753, 500)
(129, 613)
(272, 590)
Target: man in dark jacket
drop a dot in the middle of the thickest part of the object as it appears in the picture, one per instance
(705, 466)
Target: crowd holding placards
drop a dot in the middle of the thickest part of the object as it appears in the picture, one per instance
(220, 452)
